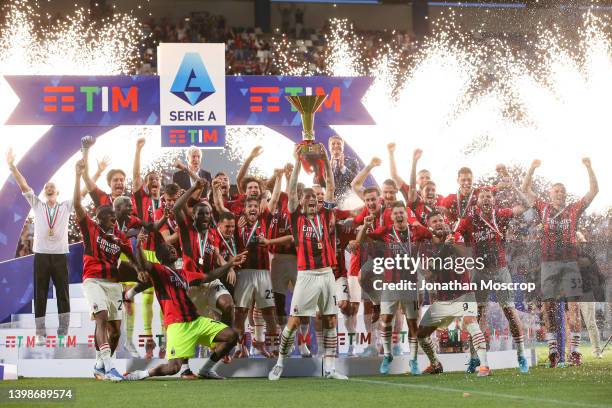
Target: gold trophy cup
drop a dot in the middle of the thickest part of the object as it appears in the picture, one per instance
(308, 105)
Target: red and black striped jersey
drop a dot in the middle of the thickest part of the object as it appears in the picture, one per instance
(433, 258)
(131, 223)
(145, 206)
(422, 210)
(235, 205)
(100, 198)
(559, 227)
(280, 226)
(487, 234)
(341, 240)
(199, 250)
(461, 205)
(171, 292)
(395, 242)
(228, 246)
(170, 226)
(101, 255)
(258, 256)
(313, 241)
(382, 218)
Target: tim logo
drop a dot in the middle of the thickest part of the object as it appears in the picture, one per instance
(192, 82)
(95, 98)
(193, 136)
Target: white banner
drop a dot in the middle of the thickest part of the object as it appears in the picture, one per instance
(192, 84)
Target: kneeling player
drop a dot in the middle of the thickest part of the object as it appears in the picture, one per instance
(438, 242)
(315, 286)
(186, 328)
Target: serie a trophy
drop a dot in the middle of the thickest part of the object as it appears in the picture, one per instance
(311, 153)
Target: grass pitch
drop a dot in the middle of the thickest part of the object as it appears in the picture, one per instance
(586, 386)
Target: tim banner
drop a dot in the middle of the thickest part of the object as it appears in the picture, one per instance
(75, 106)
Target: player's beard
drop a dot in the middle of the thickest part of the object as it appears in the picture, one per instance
(252, 217)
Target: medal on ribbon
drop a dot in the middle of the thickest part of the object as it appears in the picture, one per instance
(202, 245)
(318, 231)
(51, 216)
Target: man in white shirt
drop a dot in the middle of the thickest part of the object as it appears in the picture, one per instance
(50, 250)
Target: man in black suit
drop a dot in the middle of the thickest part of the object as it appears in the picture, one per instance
(344, 168)
(185, 177)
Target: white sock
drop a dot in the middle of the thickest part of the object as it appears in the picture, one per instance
(551, 339)
(520, 345)
(105, 355)
(141, 374)
(414, 347)
(575, 342)
(131, 293)
(319, 335)
(99, 362)
(208, 366)
(184, 367)
(330, 345)
(386, 336)
(479, 342)
(428, 348)
(286, 344)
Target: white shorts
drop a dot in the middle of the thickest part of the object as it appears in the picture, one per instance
(102, 294)
(342, 289)
(283, 270)
(505, 298)
(442, 313)
(205, 297)
(561, 279)
(314, 289)
(253, 284)
(409, 307)
(354, 289)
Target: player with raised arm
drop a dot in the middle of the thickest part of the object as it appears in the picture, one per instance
(459, 205)
(186, 328)
(455, 299)
(424, 198)
(115, 178)
(315, 287)
(130, 225)
(560, 274)
(147, 199)
(253, 280)
(200, 247)
(397, 179)
(380, 208)
(103, 244)
(169, 230)
(397, 240)
(50, 246)
(487, 226)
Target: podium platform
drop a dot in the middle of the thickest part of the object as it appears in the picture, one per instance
(73, 356)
